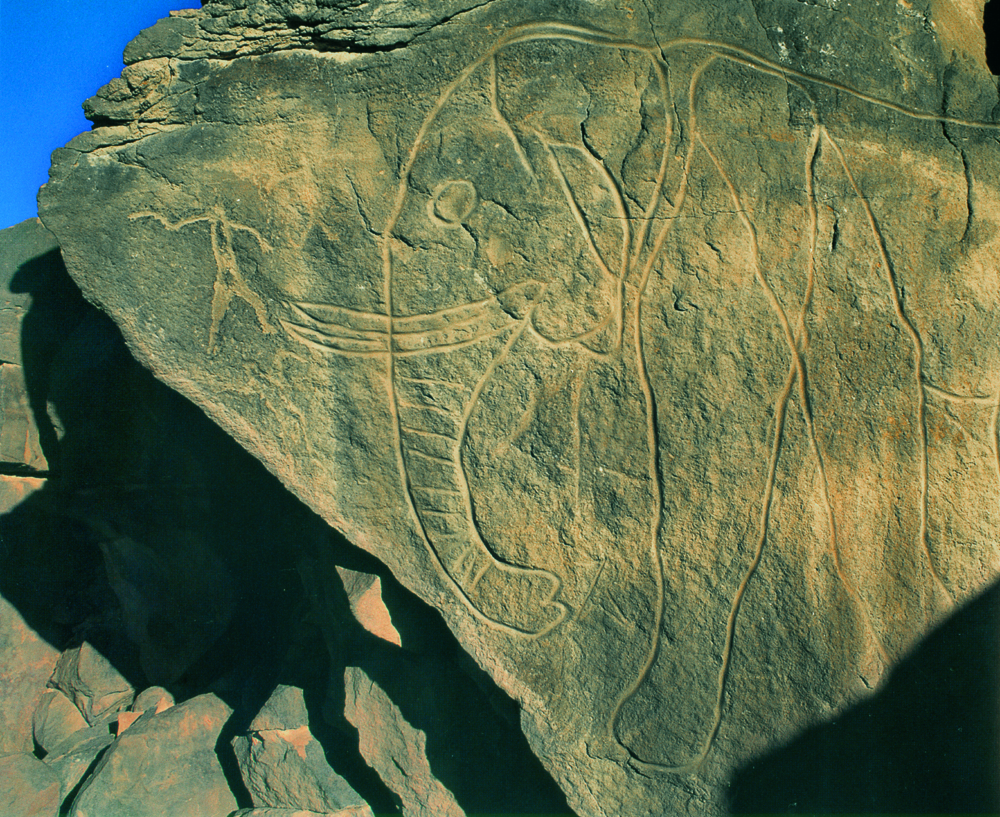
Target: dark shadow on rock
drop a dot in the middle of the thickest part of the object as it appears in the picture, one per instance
(991, 28)
(50, 565)
(474, 743)
(176, 554)
(57, 308)
(927, 743)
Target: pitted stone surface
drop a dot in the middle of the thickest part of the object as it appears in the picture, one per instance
(655, 348)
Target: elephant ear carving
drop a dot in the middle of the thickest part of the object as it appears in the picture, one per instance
(510, 239)
(517, 177)
(578, 135)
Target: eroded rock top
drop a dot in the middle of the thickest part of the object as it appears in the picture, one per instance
(225, 29)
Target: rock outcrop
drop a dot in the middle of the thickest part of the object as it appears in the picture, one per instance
(26, 664)
(284, 767)
(55, 720)
(74, 644)
(75, 758)
(395, 749)
(654, 347)
(172, 755)
(28, 788)
(90, 681)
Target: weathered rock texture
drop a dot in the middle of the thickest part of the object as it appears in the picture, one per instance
(284, 766)
(364, 593)
(135, 460)
(21, 452)
(395, 749)
(165, 764)
(28, 788)
(56, 719)
(655, 347)
(92, 683)
(26, 663)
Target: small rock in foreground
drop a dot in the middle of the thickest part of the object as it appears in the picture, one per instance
(395, 749)
(173, 754)
(92, 683)
(285, 767)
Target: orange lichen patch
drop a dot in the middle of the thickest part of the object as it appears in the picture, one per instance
(959, 25)
(297, 738)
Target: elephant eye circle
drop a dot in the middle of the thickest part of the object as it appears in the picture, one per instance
(452, 202)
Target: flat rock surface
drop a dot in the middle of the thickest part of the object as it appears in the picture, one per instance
(656, 348)
(364, 594)
(173, 754)
(284, 766)
(24, 248)
(74, 757)
(28, 788)
(395, 749)
(92, 683)
(55, 720)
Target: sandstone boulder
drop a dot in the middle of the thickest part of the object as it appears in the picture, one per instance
(26, 663)
(74, 757)
(20, 443)
(55, 719)
(467, 728)
(19, 435)
(395, 749)
(284, 767)
(173, 754)
(654, 346)
(92, 683)
(364, 593)
(14, 489)
(133, 474)
(156, 698)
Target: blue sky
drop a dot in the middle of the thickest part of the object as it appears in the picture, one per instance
(53, 55)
